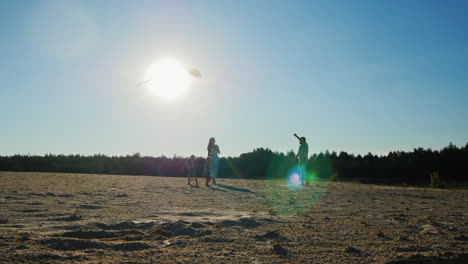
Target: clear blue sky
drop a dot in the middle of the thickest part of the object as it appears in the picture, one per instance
(357, 76)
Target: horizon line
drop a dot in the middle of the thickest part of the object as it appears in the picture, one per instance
(234, 156)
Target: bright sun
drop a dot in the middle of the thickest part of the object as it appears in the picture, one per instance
(167, 79)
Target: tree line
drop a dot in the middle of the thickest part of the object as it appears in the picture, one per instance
(397, 167)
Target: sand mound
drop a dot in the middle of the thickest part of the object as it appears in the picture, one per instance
(46, 256)
(217, 239)
(133, 246)
(89, 206)
(124, 225)
(71, 244)
(32, 210)
(178, 228)
(90, 234)
(79, 244)
(242, 222)
(269, 235)
(99, 234)
(68, 218)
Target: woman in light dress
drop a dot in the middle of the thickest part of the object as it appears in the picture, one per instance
(213, 153)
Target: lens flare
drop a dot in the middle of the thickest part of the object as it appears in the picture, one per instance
(311, 177)
(294, 189)
(294, 179)
(233, 167)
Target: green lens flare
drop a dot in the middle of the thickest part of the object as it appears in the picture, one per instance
(288, 194)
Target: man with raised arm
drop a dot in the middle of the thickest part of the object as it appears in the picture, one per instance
(303, 156)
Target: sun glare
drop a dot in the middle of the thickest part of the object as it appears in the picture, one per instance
(167, 79)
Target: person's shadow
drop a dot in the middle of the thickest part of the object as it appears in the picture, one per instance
(232, 188)
(217, 189)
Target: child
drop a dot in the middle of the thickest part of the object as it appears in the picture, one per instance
(207, 171)
(190, 169)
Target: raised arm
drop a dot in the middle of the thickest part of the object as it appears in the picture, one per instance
(297, 154)
(297, 136)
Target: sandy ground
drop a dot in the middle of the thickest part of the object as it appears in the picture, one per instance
(78, 218)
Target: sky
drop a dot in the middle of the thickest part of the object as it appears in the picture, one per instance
(358, 76)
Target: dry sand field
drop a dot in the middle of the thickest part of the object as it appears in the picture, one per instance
(80, 218)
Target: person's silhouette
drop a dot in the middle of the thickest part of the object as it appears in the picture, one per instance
(303, 156)
(213, 153)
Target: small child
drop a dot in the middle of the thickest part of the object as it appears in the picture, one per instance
(207, 171)
(190, 169)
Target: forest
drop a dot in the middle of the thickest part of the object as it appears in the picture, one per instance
(397, 167)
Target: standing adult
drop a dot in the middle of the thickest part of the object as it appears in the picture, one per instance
(303, 156)
(213, 152)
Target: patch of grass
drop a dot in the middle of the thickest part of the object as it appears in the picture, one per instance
(436, 180)
(355, 180)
